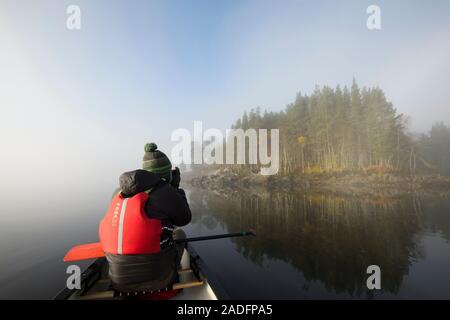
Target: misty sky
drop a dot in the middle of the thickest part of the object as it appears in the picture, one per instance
(78, 106)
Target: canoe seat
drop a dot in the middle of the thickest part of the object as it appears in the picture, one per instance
(187, 279)
(102, 290)
(100, 295)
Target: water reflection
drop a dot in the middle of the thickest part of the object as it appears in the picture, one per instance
(328, 238)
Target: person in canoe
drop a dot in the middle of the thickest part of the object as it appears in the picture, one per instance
(137, 232)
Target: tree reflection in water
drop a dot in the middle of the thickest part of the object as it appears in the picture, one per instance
(329, 238)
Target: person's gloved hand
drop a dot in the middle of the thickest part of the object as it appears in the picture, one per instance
(176, 178)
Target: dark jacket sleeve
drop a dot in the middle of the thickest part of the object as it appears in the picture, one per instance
(167, 202)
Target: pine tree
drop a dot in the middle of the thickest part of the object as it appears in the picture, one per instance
(347, 129)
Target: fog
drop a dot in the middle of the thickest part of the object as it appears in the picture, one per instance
(78, 106)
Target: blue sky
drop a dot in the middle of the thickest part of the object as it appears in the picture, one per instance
(137, 70)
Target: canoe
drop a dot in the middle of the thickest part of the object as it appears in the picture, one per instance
(195, 282)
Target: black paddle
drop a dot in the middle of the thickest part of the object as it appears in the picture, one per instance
(218, 236)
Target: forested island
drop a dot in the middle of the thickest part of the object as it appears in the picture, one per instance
(339, 138)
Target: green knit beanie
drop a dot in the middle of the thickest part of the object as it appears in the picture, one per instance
(157, 162)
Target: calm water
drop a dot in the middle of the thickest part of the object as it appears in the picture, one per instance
(308, 246)
(311, 246)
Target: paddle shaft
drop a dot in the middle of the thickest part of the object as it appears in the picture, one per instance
(95, 250)
(218, 236)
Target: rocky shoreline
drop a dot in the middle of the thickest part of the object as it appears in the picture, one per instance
(353, 184)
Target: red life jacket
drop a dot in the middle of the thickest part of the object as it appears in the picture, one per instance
(126, 228)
